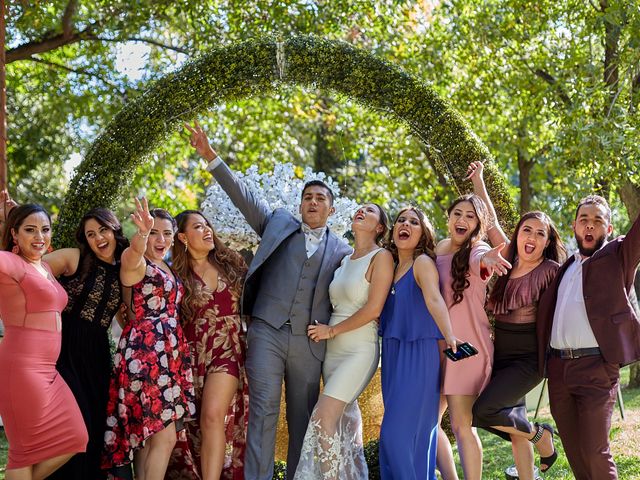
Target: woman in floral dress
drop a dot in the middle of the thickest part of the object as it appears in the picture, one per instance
(151, 392)
(212, 275)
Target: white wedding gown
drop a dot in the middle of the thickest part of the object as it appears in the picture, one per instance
(350, 362)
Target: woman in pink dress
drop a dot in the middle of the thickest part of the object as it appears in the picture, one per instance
(213, 275)
(42, 420)
(465, 264)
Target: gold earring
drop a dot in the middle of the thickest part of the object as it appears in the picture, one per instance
(186, 245)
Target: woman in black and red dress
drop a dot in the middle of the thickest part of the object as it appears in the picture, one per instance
(151, 393)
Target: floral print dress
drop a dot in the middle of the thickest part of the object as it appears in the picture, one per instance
(218, 346)
(152, 382)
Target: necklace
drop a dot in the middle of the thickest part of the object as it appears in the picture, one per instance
(405, 268)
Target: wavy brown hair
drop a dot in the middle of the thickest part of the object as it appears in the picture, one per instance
(460, 261)
(229, 263)
(554, 251)
(426, 244)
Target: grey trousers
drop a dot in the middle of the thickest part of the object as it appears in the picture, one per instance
(273, 355)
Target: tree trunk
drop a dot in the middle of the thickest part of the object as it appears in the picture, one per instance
(630, 195)
(525, 164)
(3, 102)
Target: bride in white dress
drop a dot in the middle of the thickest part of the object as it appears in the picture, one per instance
(332, 447)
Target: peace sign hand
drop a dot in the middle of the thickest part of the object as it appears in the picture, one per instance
(494, 262)
(200, 141)
(142, 218)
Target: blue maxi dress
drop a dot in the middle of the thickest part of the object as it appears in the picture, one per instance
(410, 384)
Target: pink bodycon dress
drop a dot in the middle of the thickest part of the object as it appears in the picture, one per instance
(40, 414)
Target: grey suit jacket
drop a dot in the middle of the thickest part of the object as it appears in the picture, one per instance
(273, 227)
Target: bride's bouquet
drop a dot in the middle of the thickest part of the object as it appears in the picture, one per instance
(281, 188)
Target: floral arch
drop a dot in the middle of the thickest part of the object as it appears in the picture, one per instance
(258, 67)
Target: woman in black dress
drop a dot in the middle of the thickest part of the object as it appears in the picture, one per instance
(90, 275)
(535, 251)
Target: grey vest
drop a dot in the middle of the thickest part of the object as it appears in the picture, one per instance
(288, 284)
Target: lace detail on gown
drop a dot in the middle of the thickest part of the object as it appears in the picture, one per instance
(334, 456)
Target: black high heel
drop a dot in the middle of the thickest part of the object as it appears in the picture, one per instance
(551, 459)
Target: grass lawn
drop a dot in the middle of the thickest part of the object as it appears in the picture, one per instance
(625, 443)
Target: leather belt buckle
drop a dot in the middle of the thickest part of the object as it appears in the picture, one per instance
(573, 353)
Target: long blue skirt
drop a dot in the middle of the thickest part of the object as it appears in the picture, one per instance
(410, 393)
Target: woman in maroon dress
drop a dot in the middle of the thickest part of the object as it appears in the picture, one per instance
(151, 392)
(212, 276)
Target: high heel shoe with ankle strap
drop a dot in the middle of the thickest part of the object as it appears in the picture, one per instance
(551, 459)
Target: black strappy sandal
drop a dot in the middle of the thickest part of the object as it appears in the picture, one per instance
(551, 459)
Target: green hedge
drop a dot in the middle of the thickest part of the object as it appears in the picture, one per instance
(256, 68)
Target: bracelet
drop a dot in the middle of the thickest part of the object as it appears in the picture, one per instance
(139, 233)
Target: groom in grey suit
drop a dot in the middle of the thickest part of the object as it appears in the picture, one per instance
(286, 290)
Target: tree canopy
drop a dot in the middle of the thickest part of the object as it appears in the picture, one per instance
(550, 87)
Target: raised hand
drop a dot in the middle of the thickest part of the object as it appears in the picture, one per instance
(474, 171)
(6, 204)
(200, 141)
(142, 218)
(494, 262)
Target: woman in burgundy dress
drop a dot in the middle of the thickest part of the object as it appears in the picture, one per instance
(212, 275)
(43, 423)
(151, 392)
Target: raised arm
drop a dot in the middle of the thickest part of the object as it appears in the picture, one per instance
(6, 204)
(255, 211)
(631, 249)
(495, 233)
(426, 275)
(380, 283)
(132, 264)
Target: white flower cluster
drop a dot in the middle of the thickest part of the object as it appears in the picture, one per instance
(280, 188)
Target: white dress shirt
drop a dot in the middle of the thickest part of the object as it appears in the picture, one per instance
(571, 327)
(313, 238)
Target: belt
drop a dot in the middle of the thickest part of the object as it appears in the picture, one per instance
(569, 353)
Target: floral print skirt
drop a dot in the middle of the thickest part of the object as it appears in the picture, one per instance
(152, 386)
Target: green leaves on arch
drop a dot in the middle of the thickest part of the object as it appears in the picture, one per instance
(257, 67)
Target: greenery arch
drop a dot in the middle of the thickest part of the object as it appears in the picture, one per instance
(259, 66)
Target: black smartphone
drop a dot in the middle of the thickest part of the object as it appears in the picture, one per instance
(464, 350)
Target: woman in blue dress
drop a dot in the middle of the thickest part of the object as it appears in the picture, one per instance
(414, 318)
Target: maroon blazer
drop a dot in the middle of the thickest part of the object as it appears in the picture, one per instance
(609, 297)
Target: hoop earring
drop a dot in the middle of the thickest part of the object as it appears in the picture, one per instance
(16, 249)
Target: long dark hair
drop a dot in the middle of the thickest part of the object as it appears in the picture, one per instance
(554, 251)
(460, 260)
(229, 262)
(427, 243)
(15, 219)
(107, 219)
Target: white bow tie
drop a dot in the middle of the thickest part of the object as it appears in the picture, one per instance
(315, 232)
